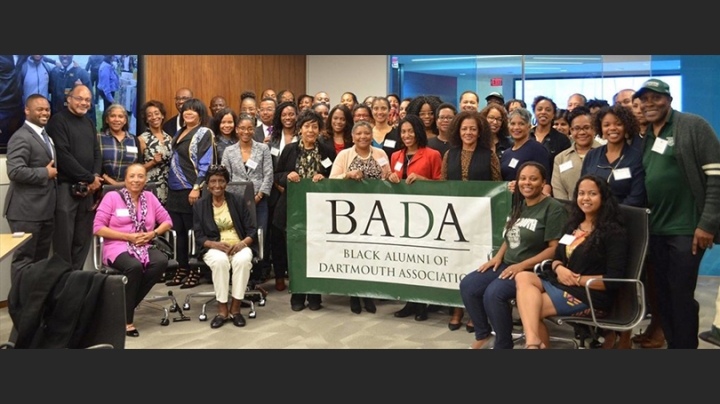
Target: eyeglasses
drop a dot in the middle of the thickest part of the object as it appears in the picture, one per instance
(586, 128)
(445, 118)
(496, 120)
(81, 99)
(182, 98)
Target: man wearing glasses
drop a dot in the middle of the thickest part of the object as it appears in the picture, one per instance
(79, 162)
(266, 112)
(172, 125)
(64, 78)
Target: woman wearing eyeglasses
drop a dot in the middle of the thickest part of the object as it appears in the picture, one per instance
(425, 106)
(497, 118)
(524, 149)
(444, 116)
(619, 163)
(568, 164)
(250, 160)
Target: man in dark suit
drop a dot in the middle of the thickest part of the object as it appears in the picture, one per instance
(79, 161)
(30, 201)
(266, 112)
(172, 125)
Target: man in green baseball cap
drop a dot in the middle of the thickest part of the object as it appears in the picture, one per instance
(681, 157)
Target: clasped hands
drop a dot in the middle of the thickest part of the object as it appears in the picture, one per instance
(227, 248)
(141, 238)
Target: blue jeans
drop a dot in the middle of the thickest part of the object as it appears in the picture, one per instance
(676, 273)
(487, 301)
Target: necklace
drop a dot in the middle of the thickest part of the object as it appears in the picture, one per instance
(592, 227)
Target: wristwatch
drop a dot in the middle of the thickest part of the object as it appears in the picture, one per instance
(196, 187)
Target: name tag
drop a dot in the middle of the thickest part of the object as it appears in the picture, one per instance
(513, 163)
(122, 213)
(622, 174)
(389, 143)
(566, 166)
(326, 163)
(383, 162)
(252, 164)
(274, 151)
(132, 149)
(659, 146)
(567, 239)
(398, 166)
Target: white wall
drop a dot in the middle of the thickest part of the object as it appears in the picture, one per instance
(335, 74)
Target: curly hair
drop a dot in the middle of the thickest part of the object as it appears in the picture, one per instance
(624, 114)
(484, 134)
(417, 103)
(152, 103)
(504, 131)
(608, 221)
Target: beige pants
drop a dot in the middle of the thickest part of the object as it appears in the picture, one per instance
(221, 264)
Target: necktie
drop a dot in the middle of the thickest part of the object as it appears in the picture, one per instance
(269, 132)
(47, 142)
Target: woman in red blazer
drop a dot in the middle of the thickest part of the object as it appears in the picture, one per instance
(414, 161)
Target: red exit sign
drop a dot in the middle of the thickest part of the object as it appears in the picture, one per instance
(496, 82)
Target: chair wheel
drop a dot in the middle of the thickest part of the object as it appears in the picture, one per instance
(261, 302)
(186, 306)
(203, 317)
(164, 321)
(173, 308)
(252, 314)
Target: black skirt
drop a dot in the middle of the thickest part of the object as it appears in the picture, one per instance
(177, 201)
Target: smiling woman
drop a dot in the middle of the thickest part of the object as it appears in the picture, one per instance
(118, 147)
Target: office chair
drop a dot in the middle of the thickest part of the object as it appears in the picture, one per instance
(628, 308)
(150, 301)
(244, 190)
(102, 328)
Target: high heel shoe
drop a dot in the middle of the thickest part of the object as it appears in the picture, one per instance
(456, 320)
(470, 327)
(192, 280)
(369, 305)
(180, 275)
(355, 304)
(131, 331)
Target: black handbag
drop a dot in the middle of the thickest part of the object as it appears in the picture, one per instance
(164, 246)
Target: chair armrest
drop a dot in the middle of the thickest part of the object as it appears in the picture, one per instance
(639, 285)
(261, 243)
(97, 252)
(191, 242)
(545, 264)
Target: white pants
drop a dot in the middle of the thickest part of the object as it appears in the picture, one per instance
(220, 264)
(716, 323)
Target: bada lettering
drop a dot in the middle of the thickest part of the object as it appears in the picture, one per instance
(422, 216)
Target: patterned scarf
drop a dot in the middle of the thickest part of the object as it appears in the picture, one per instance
(308, 162)
(139, 252)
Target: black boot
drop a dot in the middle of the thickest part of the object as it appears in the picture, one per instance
(355, 304)
(406, 311)
(422, 312)
(369, 305)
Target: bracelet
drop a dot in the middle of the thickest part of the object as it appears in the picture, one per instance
(156, 233)
(555, 267)
(578, 279)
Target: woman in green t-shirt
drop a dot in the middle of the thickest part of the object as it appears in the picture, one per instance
(531, 235)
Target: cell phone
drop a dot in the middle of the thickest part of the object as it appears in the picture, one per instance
(18, 234)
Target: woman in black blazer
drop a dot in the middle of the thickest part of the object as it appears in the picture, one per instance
(307, 158)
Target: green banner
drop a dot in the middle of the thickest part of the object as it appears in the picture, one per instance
(392, 241)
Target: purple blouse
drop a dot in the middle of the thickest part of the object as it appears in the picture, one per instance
(112, 213)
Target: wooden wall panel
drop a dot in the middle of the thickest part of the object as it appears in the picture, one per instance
(226, 75)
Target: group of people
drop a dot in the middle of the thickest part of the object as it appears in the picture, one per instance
(651, 156)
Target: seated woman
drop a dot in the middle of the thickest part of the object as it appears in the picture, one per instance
(224, 235)
(599, 248)
(531, 235)
(127, 220)
(357, 163)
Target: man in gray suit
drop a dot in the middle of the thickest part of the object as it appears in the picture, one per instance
(30, 202)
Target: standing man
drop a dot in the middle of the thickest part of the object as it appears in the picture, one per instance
(576, 100)
(681, 157)
(323, 97)
(172, 125)
(496, 98)
(35, 77)
(266, 113)
(11, 105)
(64, 78)
(624, 97)
(217, 103)
(469, 101)
(80, 163)
(108, 82)
(93, 67)
(30, 201)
